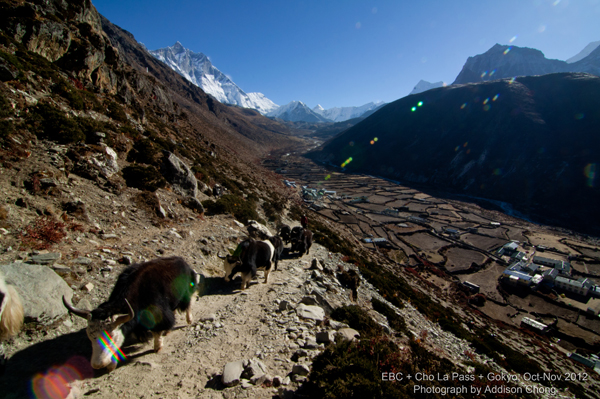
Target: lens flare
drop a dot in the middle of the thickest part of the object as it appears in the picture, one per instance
(493, 72)
(420, 104)
(513, 39)
(109, 345)
(456, 148)
(495, 97)
(375, 139)
(346, 162)
(487, 100)
(487, 107)
(327, 177)
(483, 74)
(372, 142)
(413, 109)
(511, 81)
(463, 106)
(55, 382)
(507, 50)
(590, 172)
(579, 116)
(465, 144)
(497, 171)
(351, 144)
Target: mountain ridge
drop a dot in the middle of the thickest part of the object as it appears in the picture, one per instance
(557, 111)
(502, 61)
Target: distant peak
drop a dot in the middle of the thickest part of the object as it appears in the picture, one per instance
(178, 46)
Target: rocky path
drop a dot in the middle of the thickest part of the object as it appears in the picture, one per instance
(260, 323)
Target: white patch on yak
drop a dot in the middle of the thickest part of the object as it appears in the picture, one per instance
(101, 355)
(247, 276)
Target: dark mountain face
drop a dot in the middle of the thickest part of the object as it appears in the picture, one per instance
(533, 143)
(501, 62)
(70, 45)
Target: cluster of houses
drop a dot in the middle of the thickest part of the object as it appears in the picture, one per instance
(540, 270)
(312, 194)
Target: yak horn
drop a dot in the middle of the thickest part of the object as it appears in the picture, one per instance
(221, 257)
(124, 318)
(74, 310)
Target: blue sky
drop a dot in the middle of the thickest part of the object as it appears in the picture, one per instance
(345, 52)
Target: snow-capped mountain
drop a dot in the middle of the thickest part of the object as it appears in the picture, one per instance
(584, 53)
(297, 111)
(340, 114)
(424, 85)
(197, 68)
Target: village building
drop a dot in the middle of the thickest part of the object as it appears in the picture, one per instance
(580, 286)
(454, 233)
(391, 212)
(473, 287)
(508, 249)
(417, 220)
(564, 268)
(549, 276)
(583, 360)
(534, 325)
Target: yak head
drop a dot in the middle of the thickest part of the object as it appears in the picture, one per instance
(105, 333)
(229, 263)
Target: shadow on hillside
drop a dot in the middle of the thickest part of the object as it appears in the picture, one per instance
(45, 364)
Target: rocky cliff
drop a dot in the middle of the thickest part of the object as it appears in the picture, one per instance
(530, 142)
(501, 62)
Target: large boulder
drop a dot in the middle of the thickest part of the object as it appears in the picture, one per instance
(310, 312)
(105, 161)
(41, 291)
(179, 175)
(258, 230)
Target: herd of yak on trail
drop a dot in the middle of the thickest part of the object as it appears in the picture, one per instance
(146, 295)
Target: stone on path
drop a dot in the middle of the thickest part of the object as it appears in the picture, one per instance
(232, 373)
(310, 312)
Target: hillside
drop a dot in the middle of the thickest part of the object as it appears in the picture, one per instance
(530, 142)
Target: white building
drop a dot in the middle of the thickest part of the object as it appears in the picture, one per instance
(580, 286)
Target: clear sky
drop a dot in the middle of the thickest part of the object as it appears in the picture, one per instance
(345, 52)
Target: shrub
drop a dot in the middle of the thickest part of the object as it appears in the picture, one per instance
(394, 319)
(144, 151)
(241, 209)
(71, 94)
(51, 123)
(143, 177)
(6, 128)
(42, 233)
(358, 319)
(116, 112)
(274, 208)
(353, 370)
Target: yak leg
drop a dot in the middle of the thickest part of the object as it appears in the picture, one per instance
(158, 340)
(267, 270)
(245, 280)
(188, 315)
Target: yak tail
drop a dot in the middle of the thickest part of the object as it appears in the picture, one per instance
(11, 312)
